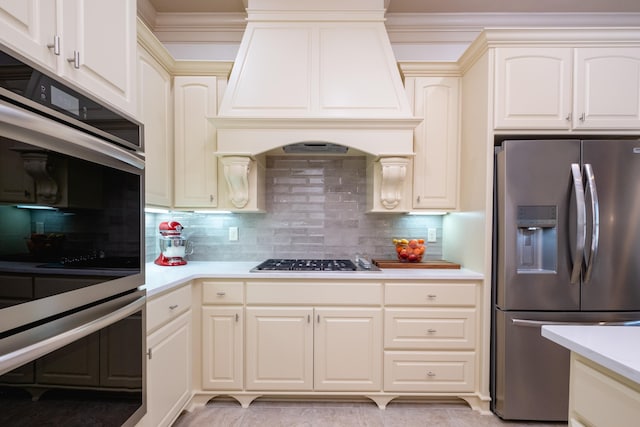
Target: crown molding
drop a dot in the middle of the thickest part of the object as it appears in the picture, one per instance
(411, 28)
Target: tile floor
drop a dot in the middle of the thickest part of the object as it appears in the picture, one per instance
(227, 413)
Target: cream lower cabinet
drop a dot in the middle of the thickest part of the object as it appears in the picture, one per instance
(599, 397)
(307, 348)
(430, 337)
(222, 335)
(169, 366)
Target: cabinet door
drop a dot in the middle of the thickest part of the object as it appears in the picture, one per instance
(168, 371)
(348, 349)
(607, 93)
(533, 88)
(155, 111)
(196, 166)
(103, 35)
(435, 166)
(222, 348)
(279, 352)
(28, 26)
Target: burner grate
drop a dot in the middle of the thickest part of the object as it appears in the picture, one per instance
(306, 265)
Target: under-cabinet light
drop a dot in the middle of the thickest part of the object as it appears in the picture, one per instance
(38, 207)
(434, 213)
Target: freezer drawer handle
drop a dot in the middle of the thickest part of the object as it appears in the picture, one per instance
(581, 223)
(540, 323)
(595, 218)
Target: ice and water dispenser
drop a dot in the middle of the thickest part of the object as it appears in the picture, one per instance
(537, 240)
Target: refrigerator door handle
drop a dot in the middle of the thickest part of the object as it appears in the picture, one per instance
(581, 223)
(540, 323)
(595, 218)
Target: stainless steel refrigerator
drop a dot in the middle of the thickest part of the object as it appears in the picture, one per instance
(566, 250)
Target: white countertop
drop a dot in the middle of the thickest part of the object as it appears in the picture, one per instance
(160, 279)
(615, 347)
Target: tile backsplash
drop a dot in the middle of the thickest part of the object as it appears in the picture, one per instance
(315, 208)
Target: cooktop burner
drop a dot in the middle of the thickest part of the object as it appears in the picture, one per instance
(306, 265)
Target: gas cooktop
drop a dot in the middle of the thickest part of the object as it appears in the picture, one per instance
(310, 265)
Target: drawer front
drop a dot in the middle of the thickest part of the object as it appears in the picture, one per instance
(430, 294)
(598, 399)
(430, 329)
(429, 371)
(166, 307)
(314, 293)
(222, 292)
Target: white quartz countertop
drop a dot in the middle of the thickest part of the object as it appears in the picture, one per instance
(160, 278)
(615, 347)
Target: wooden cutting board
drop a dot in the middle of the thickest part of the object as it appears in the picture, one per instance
(393, 263)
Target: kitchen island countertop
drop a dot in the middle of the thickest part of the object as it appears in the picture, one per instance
(160, 279)
(614, 347)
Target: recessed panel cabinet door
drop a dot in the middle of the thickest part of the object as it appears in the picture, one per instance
(222, 348)
(348, 349)
(279, 352)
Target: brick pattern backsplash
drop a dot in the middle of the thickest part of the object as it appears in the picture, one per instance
(315, 208)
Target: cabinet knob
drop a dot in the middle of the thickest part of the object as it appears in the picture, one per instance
(75, 60)
(55, 45)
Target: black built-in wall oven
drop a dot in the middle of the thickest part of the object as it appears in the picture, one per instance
(72, 311)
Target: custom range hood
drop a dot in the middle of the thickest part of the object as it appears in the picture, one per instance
(315, 71)
(314, 76)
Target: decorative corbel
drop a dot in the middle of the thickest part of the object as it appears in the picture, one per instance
(236, 172)
(37, 166)
(393, 171)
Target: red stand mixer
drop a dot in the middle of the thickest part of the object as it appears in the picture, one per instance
(173, 245)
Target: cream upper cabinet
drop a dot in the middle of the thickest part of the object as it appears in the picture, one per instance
(29, 26)
(155, 111)
(91, 44)
(196, 167)
(436, 99)
(562, 88)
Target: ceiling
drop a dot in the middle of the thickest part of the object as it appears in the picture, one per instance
(427, 6)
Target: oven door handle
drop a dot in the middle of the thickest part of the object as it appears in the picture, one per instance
(19, 349)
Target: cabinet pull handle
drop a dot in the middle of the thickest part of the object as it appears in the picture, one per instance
(173, 307)
(418, 199)
(431, 296)
(568, 118)
(431, 331)
(582, 117)
(308, 318)
(55, 45)
(149, 354)
(211, 198)
(221, 294)
(237, 317)
(318, 318)
(431, 374)
(75, 60)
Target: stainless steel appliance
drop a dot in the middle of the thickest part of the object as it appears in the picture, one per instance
(566, 246)
(276, 264)
(72, 316)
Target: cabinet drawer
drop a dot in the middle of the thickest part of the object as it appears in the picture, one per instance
(430, 294)
(314, 293)
(429, 371)
(430, 329)
(164, 308)
(598, 399)
(222, 293)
